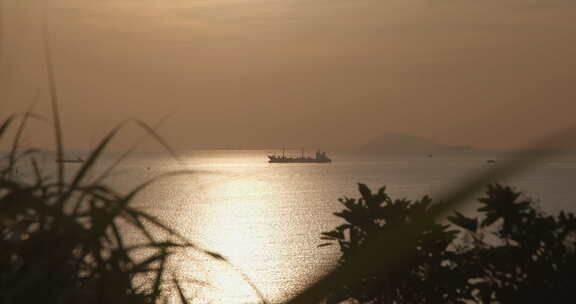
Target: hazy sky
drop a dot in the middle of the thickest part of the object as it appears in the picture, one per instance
(311, 73)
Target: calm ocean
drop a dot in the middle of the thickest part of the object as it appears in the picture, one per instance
(266, 219)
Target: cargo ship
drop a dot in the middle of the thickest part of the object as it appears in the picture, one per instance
(321, 157)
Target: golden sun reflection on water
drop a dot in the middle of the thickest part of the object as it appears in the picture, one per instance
(265, 220)
(238, 227)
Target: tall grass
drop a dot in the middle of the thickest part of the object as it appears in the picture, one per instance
(61, 238)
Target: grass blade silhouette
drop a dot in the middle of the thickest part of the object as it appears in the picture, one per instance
(91, 161)
(159, 274)
(97, 152)
(53, 100)
(180, 291)
(19, 131)
(129, 151)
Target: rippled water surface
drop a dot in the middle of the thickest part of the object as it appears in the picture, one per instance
(267, 218)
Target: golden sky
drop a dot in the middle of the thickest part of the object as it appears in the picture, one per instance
(311, 73)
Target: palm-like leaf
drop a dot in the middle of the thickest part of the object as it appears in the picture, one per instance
(458, 219)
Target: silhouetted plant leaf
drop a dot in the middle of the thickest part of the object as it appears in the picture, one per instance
(464, 222)
(215, 255)
(325, 244)
(365, 191)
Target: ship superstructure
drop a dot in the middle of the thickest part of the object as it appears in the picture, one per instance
(321, 157)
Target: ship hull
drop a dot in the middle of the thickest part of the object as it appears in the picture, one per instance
(296, 161)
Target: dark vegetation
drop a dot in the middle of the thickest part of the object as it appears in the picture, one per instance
(62, 240)
(510, 253)
(376, 255)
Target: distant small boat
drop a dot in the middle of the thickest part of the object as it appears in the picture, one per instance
(490, 161)
(77, 160)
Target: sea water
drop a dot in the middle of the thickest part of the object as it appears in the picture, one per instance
(266, 219)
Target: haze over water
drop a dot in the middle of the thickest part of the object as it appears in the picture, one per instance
(493, 74)
(267, 218)
(328, 73)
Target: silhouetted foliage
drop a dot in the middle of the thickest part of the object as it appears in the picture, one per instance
(518, 254)
(512, 254)
(61, 241)
(414, 280)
